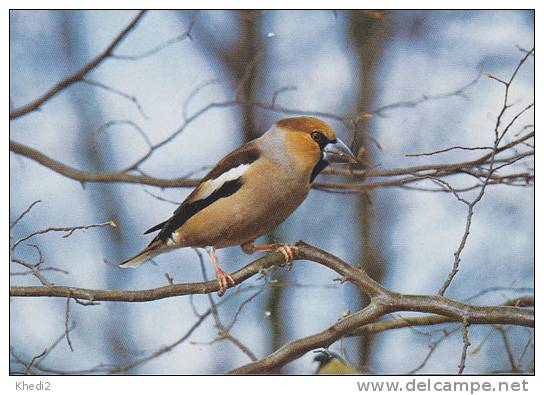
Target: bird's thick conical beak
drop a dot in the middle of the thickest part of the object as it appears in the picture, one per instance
(338, 153)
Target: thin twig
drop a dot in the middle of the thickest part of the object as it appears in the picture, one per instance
(25, 212)
(180, 37)
(108, 88)
(223, 331)
(78, 75)
(66, 326)
(499, 135)
(69, 230)
(457, 147)
(466, 344)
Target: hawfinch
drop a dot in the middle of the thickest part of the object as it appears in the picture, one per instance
(250, 192)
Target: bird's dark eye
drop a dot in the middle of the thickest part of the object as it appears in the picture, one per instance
(317, 136)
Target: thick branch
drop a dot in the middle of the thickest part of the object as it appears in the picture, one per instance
(427, 320)
(388, 300)
(296, 349)
(84, 176)
(376, 309)
(146, 295)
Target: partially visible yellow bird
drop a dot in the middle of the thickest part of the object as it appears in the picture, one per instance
(250, 192)
(332, 364)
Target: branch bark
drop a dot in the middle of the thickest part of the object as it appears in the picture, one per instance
(103, 177)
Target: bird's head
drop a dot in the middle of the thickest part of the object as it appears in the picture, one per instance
(331, 363)
(323, 356)
(316, 137)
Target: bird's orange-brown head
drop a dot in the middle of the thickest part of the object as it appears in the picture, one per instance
(315, 139)
(307, 125)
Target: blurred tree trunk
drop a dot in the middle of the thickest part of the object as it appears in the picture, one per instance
(248, 73)
(245, 67)
(239, 61)
(369, 31)
(106, 202)
(242, 62)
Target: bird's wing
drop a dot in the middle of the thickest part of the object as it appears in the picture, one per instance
(222, 181)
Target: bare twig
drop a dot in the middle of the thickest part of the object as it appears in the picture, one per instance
(224, 331)
(108, 88)
(457, 147)
(466, 345)
(433, 345)
(499, 135)
(69, 230)
(34, 269)
(34, 359)
(195, 92)
(425, 98)
(25, 212)
(427, 320)
(130, 123)
(530, 342)
(66, 324)
(84, 177)
(33, 363)
(180, 37)
(507, 347)
(78, 75)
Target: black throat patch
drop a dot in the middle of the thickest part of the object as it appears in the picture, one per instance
(318, 168)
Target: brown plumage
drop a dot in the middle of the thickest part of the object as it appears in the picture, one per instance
(250, 192)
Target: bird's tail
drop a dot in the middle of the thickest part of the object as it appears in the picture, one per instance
(147, 253)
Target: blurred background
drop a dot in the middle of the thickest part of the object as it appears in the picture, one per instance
(335, 62)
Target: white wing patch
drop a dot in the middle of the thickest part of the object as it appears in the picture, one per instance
(173, 239)
(210, 186)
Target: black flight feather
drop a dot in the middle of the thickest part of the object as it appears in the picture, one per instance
(190, 209)
(155, 228)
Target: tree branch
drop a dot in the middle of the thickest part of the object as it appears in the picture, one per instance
(116, 295)
(428, 320)
(78, 75)
(383, 301)
(440, 170)
(84, 176)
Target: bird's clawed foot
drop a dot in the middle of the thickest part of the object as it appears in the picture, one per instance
(287, 250)
(223, 279)
(289, 255)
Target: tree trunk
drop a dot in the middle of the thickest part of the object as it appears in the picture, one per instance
(369, 31)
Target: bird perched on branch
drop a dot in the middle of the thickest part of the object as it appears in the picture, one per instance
(250, 192)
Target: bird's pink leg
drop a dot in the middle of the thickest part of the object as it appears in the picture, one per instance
(222, 278)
